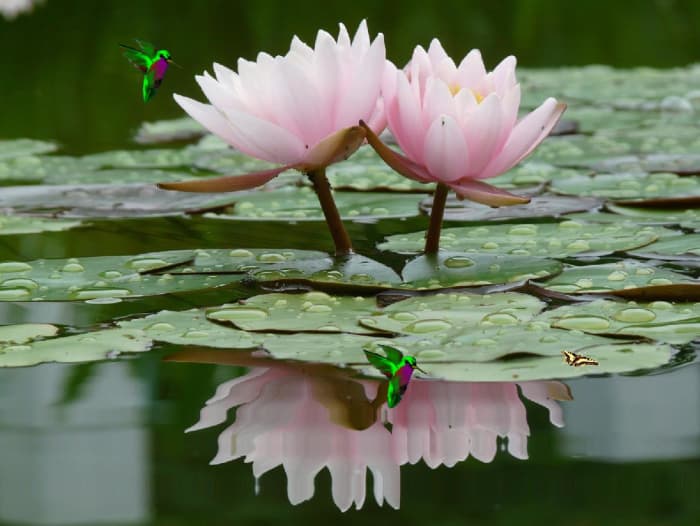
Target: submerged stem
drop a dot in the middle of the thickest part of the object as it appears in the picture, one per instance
(343, 245)
(432, 238)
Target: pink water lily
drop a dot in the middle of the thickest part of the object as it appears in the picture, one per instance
(299, 110)
(458, 125)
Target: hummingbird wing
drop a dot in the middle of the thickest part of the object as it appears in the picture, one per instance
(138, 59)
(392, 353)
(383, 364)
(149, 86)
(147, 47)
(395, 392)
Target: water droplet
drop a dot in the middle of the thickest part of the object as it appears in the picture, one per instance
(25, 283)
(500, 318)
(584, 323)
(103, 301)
(14, 266)
(317, 296)
(617, 275)
(585, 283)
(111, 274)
(485, 342)
(271, 257)
(644, 271)
(423, 326)
(430, 354)
(240, 253)
(16, 293)
(661, 305)
(403, 316)
(147, 264)
(489, 245)
(458, 262)
(549, 338)
(579, 245)
(570, 225)
(635, 315)
(371, 322)
(195, 333)
(379, 211)
(280, 303)
(361, 278)
(269, 275)
(318, 308)
(523, 230)
(238, 314)
(660, 281)
(161, 326)
(89, 294)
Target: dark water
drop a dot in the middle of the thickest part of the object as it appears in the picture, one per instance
(104, 443)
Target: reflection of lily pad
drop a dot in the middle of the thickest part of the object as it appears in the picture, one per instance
(613, 276)
(24, 147)
(630, 186)
(11, 225)
(539, 206)
(108, 200)
(544, 239)
(100, 277)
(658, 320)
(454, 269)
(301, 204)
(89, 347)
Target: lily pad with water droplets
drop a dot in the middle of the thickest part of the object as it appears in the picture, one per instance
(637, 187)
(14, 225)
(99, 345)
(25, 332)
(534, 173)
(301, 204)
(685, 217)
(111, 200)
(659, 320)
(673, 247)
(555, 240)
(455, 269)
(311, 311)
(629, 274)
(90, 278)
(25, 147)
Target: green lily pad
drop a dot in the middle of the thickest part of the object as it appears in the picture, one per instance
(13, 225)
(99, 277)
(364, 170)
(680, 163)
(659, 320)
(25, 332)
(130, 200)
(614, 276)
(169, 130)
(630, 186)
(24, 147)
(301, 204)
(454, 269)
(100, 345)
(539, 206)
(687, 218)
(424, 315)
(312, 311)
(613, 358)
(229, 162)
(151, 158)
(534, 174)
(672, 247)
(543, 240)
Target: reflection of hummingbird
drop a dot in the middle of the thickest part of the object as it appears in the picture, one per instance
(153, 64)
(397, 368)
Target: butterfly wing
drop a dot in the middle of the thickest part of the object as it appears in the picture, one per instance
(383, 364)
(395, 392)
(139, 60)
(148, 48)
(394, 355)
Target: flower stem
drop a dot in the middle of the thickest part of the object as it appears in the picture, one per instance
(432, 239)
(343, 245)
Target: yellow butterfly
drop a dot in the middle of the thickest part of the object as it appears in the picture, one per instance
(575, 360)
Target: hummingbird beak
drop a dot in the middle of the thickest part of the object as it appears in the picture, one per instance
(421, 370)
(171, 61)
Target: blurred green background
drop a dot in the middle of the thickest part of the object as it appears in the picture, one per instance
(63, 76)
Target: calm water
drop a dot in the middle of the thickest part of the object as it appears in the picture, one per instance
(104, 443)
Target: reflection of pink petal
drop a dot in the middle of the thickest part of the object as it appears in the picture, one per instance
(486, 194)
(538, 392)
(227, 183)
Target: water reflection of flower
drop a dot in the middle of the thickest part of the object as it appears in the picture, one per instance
(306, 421)
(10, 9)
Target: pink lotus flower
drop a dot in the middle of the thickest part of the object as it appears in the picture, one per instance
(458, 125)
(295, 417)
(299, 110)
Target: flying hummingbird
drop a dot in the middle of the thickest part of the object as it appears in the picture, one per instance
(152, 63)
(397, 368)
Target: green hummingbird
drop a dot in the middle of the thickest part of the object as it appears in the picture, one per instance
(397, 368)
(152, 63)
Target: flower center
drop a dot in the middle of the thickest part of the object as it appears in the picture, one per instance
(478, 96)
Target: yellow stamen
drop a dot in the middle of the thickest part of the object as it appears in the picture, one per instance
(478, 96)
